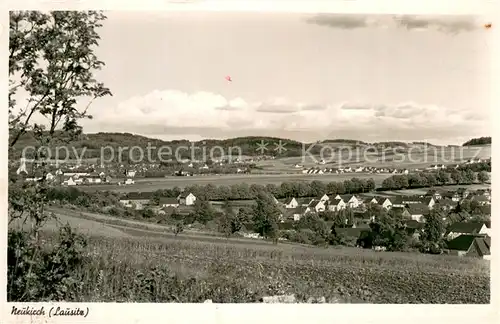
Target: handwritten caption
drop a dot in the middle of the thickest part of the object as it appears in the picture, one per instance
(52, 312)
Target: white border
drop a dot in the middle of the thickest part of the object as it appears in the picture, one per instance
(251, 313)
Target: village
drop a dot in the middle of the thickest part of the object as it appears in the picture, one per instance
(466, 237)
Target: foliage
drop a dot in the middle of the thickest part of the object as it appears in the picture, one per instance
(432, 235)
(52, 61)
(145, 269)
(467, 174)
(178, 227)
(266, 216)
(478, 141)
(37, 273)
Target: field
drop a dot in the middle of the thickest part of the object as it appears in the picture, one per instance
(414, 158)
(149, 266)
(152, 184)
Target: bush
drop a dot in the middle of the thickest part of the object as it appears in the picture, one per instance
(38, 273)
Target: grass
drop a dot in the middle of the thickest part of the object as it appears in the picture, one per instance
(152, 184)
(148, 269)
(142, 265)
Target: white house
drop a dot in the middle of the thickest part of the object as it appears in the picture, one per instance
(291, 203)
(129, 181)
(317, 205)
(324, 198)
(336, 205)
(187, 199)
(69, 182)
(350, 200)
(385, 203)
(131, 173)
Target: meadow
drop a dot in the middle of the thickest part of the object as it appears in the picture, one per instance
(141, 266)
(152, 184)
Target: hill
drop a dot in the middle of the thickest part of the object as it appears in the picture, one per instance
(91, 146)
(478, 141)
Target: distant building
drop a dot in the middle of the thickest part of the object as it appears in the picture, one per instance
(168, 202)
(186, 199)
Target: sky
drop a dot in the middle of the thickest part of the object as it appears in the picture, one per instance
(300, 76)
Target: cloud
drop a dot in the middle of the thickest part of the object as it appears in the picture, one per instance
(338, 21)
(442, 23)
(447, 24)
(209, 115)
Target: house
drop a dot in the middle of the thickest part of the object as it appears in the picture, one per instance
(136, 200)
(372, 200)
(168, 202)
(481, 200)
(91, 179)
(471, 246)
(324, 198)
(454, 196)
(402, 211)
(483, 192)
(188, 199)
(295, 213)
(412, 200)
(336, 205)
(317, 205)
(428, 201)
(413, 228)
(130, 173)
(385, 203)
(49, 176)
(291, 203)
(466, 228)
(433, 193)
(446, 204)
(351, 233)
(69, 181)
(417, 211)
(350, 200)
(397, 202)
(304, 201)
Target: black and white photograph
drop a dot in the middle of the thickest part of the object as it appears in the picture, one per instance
(248, 157)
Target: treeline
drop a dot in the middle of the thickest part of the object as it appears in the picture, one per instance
(244, 191)
(478, 141)
(430, 179)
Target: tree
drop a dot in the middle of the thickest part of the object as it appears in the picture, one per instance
(433, 231)
(483, 177)
(228, 221)
(203, 211)
(178, 227)
(52, 62)
(266, 216)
